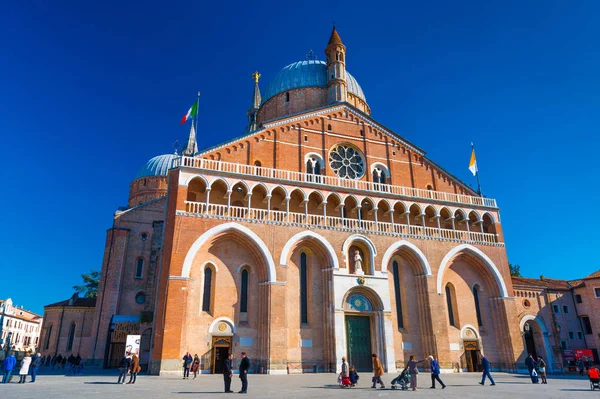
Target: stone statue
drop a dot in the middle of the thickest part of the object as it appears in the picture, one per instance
(358, 263)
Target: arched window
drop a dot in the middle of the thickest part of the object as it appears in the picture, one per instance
(477, 310)
(398, 295)
(71, 337)
(206, 296)
(303, 289)
(139, 268)
(244, 292)
(379, 176)
(450, 304)
(48, 334)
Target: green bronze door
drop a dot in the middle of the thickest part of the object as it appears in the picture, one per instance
(358, 338)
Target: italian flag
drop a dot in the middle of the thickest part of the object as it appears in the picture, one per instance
(190, 114)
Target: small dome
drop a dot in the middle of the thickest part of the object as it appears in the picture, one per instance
(308, 73)
(157, 166)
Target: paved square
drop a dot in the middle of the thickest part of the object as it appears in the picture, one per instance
(103, 385)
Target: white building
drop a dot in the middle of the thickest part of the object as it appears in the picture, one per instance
(19, 327)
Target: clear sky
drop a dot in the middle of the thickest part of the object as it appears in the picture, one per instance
(88, 93)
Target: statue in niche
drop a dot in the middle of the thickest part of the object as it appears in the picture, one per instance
(358, 263)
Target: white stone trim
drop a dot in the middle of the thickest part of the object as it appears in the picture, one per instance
(225, 319)
(475, 330)
(529, 317)
(285, 253)
(387, 257)
(203, 239)
(363, 239)
(483, 257)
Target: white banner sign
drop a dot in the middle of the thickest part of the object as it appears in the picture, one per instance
(132, 345)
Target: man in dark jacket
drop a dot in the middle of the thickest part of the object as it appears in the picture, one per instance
(187, 363)
(228, 373)
(244, 366)
(531, 363)
(486, 366)
(35, 365)
(124, 368)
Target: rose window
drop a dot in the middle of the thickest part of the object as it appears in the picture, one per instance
(347, 162)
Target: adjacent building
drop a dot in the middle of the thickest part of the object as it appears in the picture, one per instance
(19, 328)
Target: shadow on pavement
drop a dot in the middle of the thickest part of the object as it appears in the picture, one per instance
(102, 383)
(576, 390)
(199, 393)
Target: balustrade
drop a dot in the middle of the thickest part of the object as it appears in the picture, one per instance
(288, 175)
(337, 223)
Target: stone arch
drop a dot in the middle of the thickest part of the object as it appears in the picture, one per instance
(365, 240)
(291, 243)
(389, 253)
(369, 293)
(488, 263)
(217, 230)
(530, 317)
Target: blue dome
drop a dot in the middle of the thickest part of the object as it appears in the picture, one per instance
(157, 166)
(308, 73)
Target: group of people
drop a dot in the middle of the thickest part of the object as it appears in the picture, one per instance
(193, 364)
(130, 364)
(536, 369)
(29, 365)
(349, 377)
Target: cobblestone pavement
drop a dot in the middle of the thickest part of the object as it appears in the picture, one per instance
(103, 385)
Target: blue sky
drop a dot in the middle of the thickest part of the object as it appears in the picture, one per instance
(88, 93)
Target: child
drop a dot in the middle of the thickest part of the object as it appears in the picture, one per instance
(353, 376)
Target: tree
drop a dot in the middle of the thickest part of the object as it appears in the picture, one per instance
(515, 270)
(90, 284)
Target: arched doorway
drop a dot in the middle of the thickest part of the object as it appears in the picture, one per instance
(471, 357)
(363, 324)
(529, 340)
(221, 331)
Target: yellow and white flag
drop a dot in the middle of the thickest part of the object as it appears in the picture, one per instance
(473, 163)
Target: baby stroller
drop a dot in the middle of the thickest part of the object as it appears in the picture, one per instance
(401, 380)
(594, 375)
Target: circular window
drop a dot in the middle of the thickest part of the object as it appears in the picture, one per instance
(144, 236)
(140, 298)
(526, 304)
(347, 162)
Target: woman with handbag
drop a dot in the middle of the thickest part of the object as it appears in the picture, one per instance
(196, 365)
(542, 369)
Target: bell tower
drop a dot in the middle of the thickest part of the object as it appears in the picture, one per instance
(337, 88)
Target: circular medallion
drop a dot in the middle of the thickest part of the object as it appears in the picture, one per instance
(222, 326)
(347, 162)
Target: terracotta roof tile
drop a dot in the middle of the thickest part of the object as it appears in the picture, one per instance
(596, 274)
(79, 302)
(546, 283)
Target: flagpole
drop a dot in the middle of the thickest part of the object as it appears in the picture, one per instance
(197, 112)
(477, 173)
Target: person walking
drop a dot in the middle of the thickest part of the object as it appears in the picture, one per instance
(542, 369)
(244, 366)
(413, 371)
(35, 365)
(64, 362)
(134, 369)
(486, 366)
(377, 372)
(54, 361)
(124, 367)
(531, 366)
(580, 366)
(435, 373)
(59, 359)
(8, 365)
(71, 361)
(187, 363)
(227, 373)
(196, 365)
(25, 363)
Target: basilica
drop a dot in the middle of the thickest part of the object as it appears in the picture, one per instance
(318, 233)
